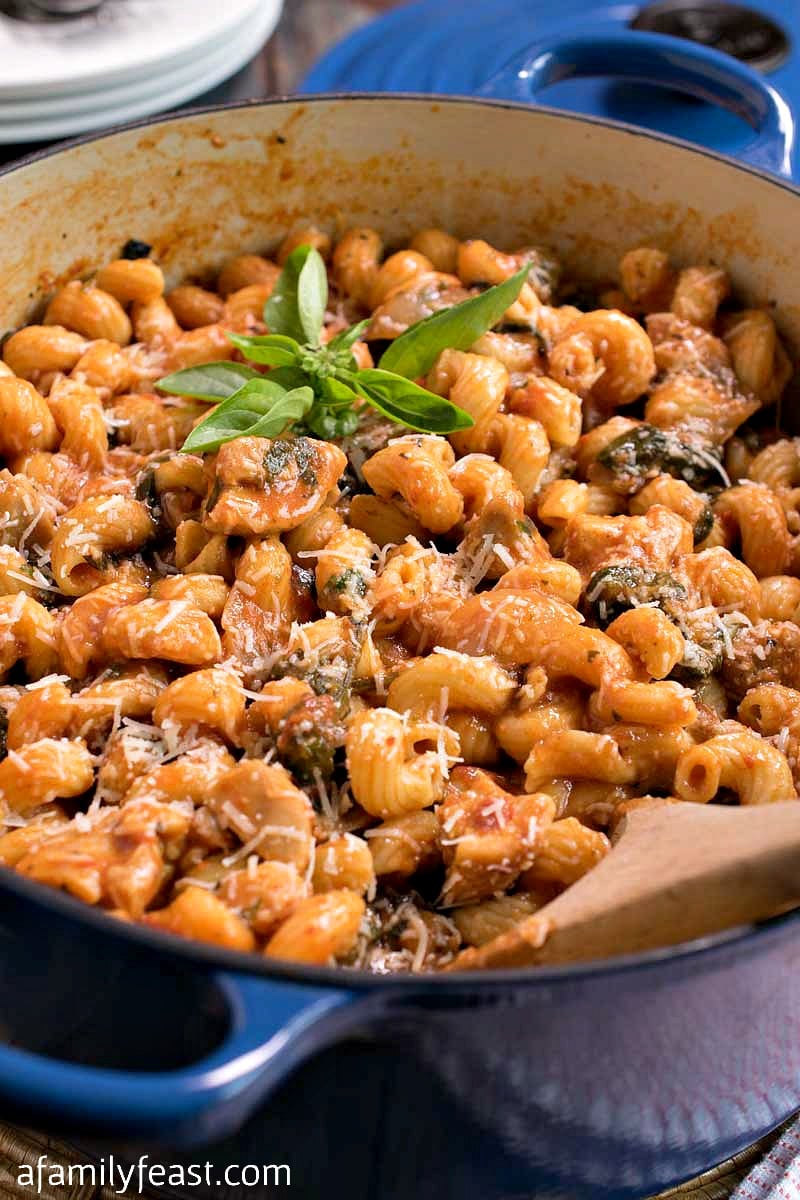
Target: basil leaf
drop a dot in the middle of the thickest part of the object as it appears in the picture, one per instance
(345, 339)
(335, 393)
(235, 415)
(298, 297)
(312, 295)
(288, 377)
(212, 381)
(293, 407)
(259, 409)
(456, 328)
(256, 395)
(280, 311)
(274, 349)
(409, 404)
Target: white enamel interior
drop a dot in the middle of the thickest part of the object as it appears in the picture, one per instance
(204, 186)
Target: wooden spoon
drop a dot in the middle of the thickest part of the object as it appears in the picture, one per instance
(676, 872)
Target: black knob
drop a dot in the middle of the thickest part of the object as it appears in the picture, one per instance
(745, 33)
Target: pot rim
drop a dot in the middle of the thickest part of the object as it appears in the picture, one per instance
(204, 954)
(209, 956)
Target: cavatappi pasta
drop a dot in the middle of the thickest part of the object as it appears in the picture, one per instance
(371, 701)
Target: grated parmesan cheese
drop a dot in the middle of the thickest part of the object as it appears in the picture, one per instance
(475, 572)
(505, 556)
(19, 762)
(210, 885)
(45, 681)
(176, 609)
(322, 792)
(276, 830)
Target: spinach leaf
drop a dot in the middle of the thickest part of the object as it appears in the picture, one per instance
(645, 450)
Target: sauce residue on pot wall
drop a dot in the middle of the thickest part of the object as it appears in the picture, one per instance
(201, 187)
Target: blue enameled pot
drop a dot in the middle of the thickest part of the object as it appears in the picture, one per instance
(596, 1081)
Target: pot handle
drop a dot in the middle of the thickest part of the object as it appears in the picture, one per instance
(272, 1027)
(673, 62)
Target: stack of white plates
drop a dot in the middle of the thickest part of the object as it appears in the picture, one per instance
(129, 59)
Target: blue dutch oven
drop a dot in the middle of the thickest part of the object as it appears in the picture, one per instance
(449, 47)
(601, 1080)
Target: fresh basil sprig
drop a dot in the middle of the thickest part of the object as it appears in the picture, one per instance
(321, 388)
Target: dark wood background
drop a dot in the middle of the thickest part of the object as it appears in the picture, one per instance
(307, 28)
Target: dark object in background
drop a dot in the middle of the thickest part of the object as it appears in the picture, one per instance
(133, 248)
(748, 35)
(38, 10)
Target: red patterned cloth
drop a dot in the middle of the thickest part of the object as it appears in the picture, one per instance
(777, 1176)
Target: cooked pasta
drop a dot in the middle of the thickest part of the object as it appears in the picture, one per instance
(372, 697)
